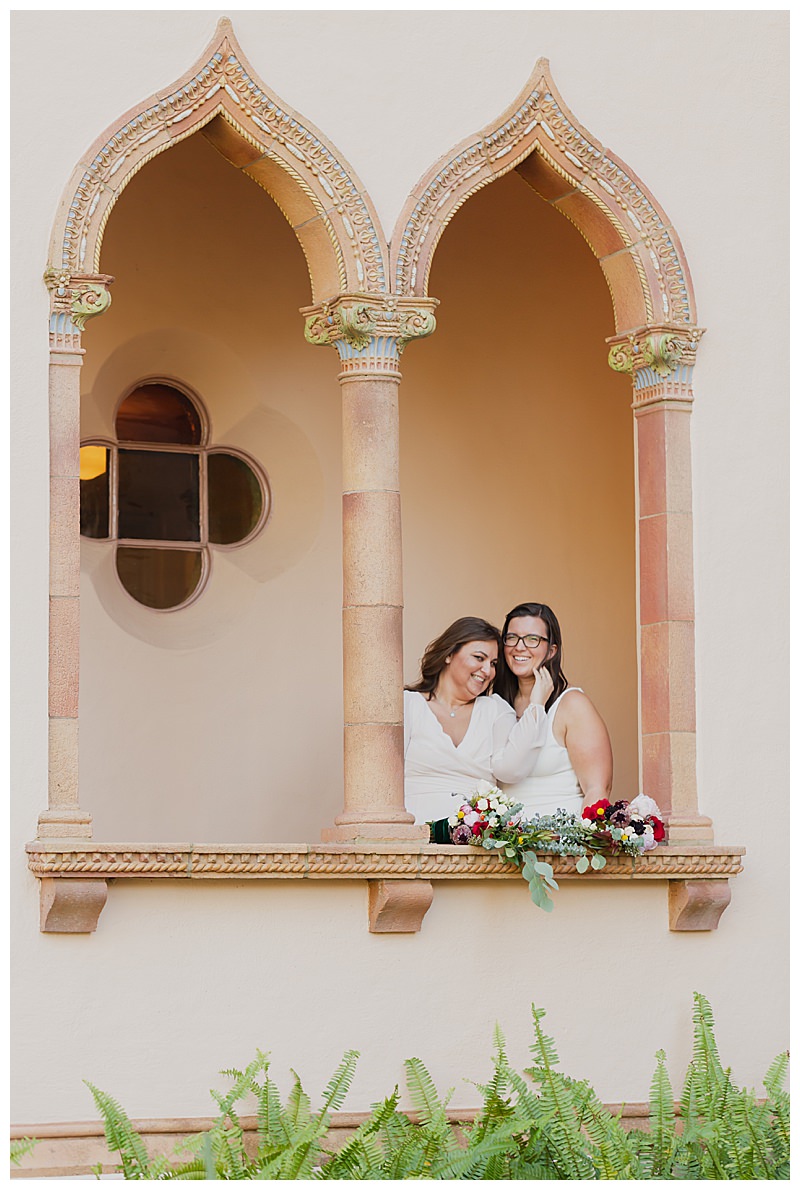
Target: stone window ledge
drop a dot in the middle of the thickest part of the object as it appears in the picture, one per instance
(74, 874)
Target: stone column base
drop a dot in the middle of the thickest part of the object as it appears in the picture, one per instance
(376, 832)
(690, 830)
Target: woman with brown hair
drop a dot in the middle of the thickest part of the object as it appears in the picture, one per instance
(456, 732)
(575, 761)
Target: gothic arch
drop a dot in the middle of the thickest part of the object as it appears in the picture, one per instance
(222, 97)
(638, 251)
(655, 344)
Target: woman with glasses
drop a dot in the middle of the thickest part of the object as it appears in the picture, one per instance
(456, 733)
(575, 762)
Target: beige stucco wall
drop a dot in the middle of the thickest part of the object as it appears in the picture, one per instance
(180, 981)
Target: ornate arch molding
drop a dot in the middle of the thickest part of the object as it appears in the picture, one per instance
(318, 192)
(639, 252)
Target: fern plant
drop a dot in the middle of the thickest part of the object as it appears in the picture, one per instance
(21, 1147)
(546, 1127)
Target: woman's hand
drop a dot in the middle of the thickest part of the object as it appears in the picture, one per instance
(542, 686)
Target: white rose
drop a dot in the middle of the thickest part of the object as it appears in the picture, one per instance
(484, 787)
(644, 805)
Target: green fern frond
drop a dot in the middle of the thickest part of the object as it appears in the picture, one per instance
(121, 1136)
(564, 1135)
(271, 1127)
(21, 1147)
(298, 1105)
(340, 1083)
(614, 1154)
(422, 1091)
(775, 1077)
(662, 1118)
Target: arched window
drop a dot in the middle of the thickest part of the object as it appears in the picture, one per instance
(164, 496)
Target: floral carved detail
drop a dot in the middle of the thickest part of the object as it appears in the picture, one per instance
(223, 83)
(74, 299)
(369, 334)
(656, 354)
(540, 121)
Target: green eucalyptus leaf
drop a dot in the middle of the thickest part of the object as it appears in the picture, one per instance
(583, 864)
(598, 862)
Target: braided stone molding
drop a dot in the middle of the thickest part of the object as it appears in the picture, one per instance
(369, 335)
(223, 83)
(309, 861)
(74, 299)
(540, 122)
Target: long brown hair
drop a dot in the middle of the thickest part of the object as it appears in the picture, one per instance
(505, 683)
(460, 633)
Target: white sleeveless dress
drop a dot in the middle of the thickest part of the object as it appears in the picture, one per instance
(551, 783)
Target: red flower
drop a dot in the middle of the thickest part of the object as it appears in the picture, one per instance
(598, 810)
(477, 827)
(658, 828)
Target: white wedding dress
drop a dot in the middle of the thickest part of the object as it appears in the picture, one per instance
(551, 783)
(496, 747)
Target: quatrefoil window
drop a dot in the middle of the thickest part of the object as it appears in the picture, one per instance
(163, 496)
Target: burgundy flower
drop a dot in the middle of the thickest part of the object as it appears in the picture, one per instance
(461, 833)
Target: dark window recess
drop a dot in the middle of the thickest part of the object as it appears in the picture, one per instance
(159, 413)
(159, 495)
(94, 491)
(235, 499)
(159, 578)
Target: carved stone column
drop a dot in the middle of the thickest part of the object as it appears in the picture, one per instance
(73, 300)
(369, 335)
(660, 361)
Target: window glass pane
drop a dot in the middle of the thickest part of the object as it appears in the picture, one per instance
(235, 499)
(159, 578)
(94, 491)
(158, 413)
(159, 495)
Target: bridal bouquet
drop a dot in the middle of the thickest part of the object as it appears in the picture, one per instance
(489, 819)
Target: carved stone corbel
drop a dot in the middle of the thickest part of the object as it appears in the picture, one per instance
(697, 904)
(71, 906)
(398, 906)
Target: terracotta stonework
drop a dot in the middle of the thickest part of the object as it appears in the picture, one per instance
(74, 299)
(399, 874)
(352, 272)
(369, 337)
(660, 361)
(221, 96)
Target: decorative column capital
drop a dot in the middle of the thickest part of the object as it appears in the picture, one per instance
(369, 331)
(659, 359)
(74, 298)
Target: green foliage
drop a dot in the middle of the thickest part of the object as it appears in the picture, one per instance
(546, 1127)
(20, 1148)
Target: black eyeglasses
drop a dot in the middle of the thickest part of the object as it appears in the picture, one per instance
(531, 640)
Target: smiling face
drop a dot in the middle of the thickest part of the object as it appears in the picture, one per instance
(521, 658)
(471, 668)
